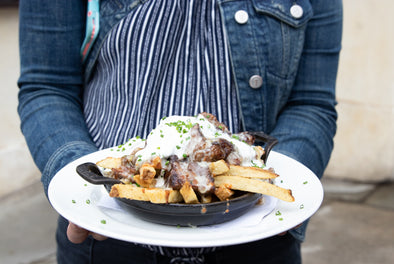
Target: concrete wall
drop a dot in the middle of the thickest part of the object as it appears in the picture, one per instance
(15, 161)
(364, 145)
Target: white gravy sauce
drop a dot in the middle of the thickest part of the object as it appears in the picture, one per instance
(172, 136)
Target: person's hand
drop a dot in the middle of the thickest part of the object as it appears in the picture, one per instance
(78, 234)
(284, 233)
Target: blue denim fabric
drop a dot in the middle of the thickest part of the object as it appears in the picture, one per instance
(278, 249)
(51, 82)
(297, 59)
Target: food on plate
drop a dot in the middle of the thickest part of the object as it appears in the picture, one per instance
(154, 195)
(254, 185)
(191, 160)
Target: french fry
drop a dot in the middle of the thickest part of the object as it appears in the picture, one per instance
(154, 195)
(250, 172)
(158, 195)
(259, 151)
(110, 163)
(206, 198)
(219, 167)
(255, 186)
(223, 192)
(128, 191)
(188, 194)
(147, 174)
(139, 181)
(156, 163)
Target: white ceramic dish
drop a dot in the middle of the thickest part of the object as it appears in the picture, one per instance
(79, 202)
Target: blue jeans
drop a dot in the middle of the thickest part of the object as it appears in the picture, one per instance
(278, 249)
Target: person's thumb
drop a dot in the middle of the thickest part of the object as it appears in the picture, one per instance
(76, 234)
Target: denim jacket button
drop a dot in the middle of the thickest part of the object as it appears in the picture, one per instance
(241, 16)
(296, 11)
(256, 81)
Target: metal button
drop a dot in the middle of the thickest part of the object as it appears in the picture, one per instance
(241, 16)
(296, 11)
(256, 81)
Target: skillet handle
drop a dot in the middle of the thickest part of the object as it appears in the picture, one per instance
(269, 141)
(91, 173)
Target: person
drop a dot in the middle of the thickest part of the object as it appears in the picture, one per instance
(256, 65)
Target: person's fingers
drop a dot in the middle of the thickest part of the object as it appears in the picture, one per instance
(297, 226)
(284, 233)
(98, 236)
(76, 234)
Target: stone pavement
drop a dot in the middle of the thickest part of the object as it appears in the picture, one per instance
(354, 226)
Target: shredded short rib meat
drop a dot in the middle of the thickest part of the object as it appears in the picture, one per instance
(196, 173)
(177, 175)
(212, 119)
(202, 149)
(125, 171)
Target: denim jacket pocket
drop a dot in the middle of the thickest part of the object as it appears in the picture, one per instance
(281, 9)
(283, 32)
(269, 44)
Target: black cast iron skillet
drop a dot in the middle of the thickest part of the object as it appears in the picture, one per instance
(181, 214)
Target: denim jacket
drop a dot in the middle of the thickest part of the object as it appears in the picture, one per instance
(285, 69)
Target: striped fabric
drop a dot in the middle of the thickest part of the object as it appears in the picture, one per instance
(167, 57)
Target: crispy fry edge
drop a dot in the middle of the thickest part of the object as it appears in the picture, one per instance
(255, 186)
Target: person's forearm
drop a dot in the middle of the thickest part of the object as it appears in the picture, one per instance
(50, 83)
(307, 124)
(54, 130)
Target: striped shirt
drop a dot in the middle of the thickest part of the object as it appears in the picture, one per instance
(166, 57)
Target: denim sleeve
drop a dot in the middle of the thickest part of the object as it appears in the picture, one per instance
(50, 82)
(307, 124)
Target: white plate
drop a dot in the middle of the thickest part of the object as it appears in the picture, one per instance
(78, 201)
